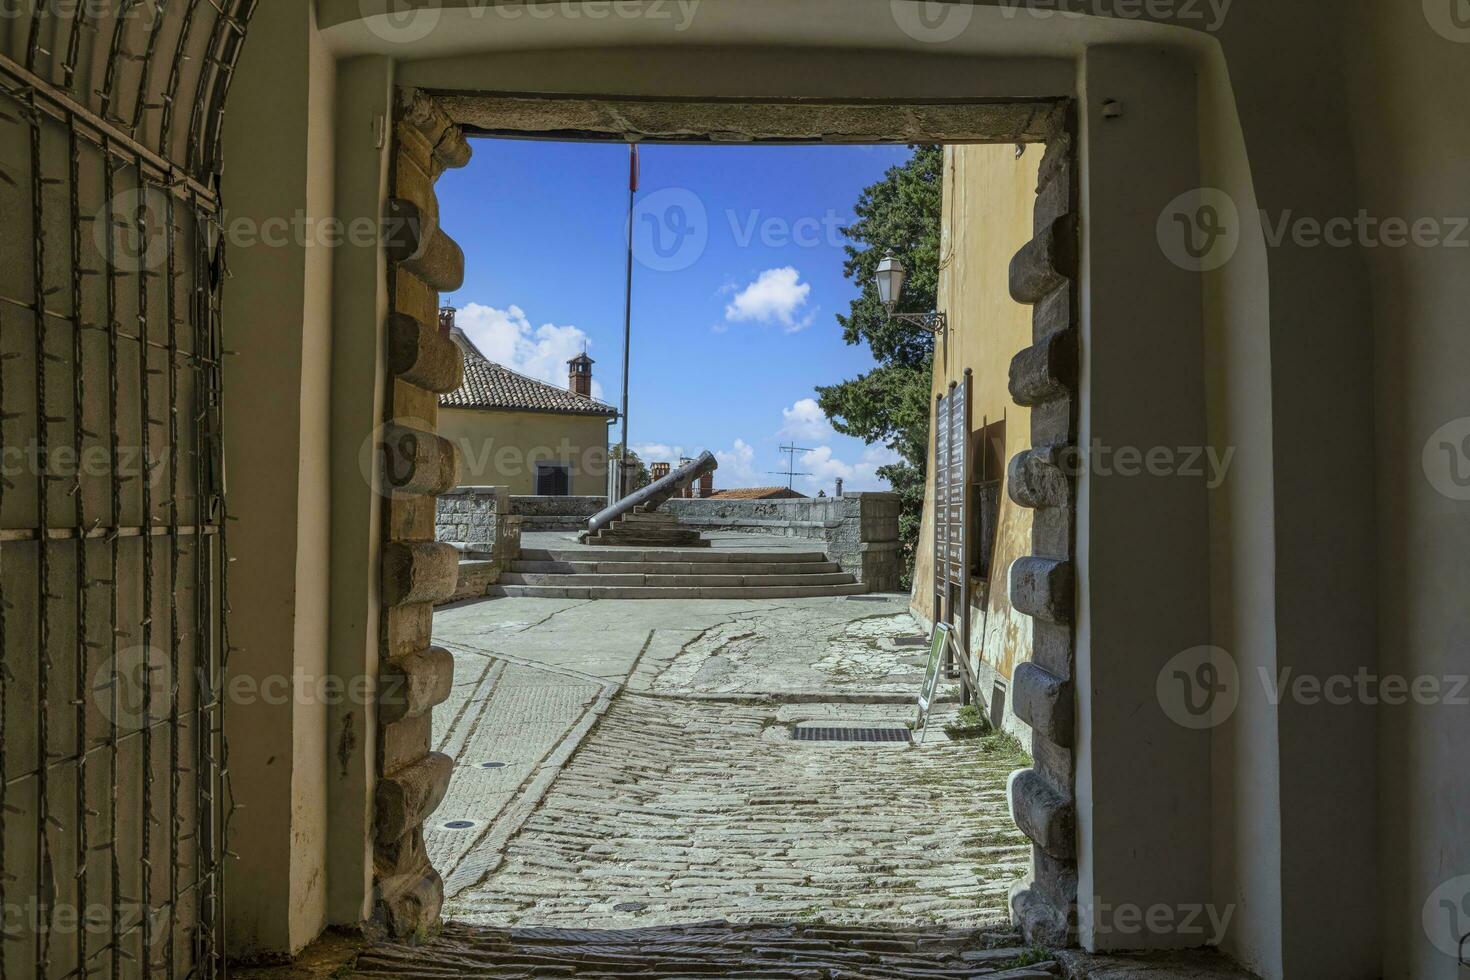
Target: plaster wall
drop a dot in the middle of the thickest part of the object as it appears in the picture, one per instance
(1410, 158)
(278, 313)
(1328, 101)
(503, 448)
(988, 196)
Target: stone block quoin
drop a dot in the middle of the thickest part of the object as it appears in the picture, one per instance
(418, 464)
(1044, 376)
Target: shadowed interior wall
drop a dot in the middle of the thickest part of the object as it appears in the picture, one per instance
(1300, 853)
(1411, 156)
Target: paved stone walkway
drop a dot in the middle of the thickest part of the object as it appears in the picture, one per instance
(630, 763)
(767, 951)
(676, 812)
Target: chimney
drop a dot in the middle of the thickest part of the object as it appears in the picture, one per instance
(658, 470)
(579, 375)
(446, 319)
(706, 485)
(839, 486)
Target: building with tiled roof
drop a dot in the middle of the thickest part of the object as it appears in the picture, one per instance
(492, 386)
(517, 431)
(759, 493)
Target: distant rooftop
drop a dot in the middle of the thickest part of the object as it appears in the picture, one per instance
(488, 385)
(759, 493)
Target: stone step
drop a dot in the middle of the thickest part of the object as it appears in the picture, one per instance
(626, 540)
(679, 581)
(676, 592)
(669, 555)
(654, 517)
(680, 567)
(650, 525)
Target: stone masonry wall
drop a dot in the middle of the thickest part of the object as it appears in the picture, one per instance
(477, 521)
(417, 570)
(469, 516)
(859, 531)
(539, 513)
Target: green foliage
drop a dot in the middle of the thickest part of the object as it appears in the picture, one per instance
(890, 404)
(641, 477)
(1004, 743)
(1032, 956)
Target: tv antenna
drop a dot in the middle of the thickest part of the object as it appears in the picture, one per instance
(790, 471)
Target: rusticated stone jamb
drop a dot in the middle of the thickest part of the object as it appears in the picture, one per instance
(420, 246)
(1044, 701)
(445, 141)
(409, 686)
(1045, 262)
(1045, 376)
(1042, 587)
(423, 356)
(418, 571)
(1045, 371)
(419, 462)
(1042, 921)
(1043, 814)
(407, 797)
(1038, 478)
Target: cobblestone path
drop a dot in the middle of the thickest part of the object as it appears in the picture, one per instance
(677, 811)
(754, 952)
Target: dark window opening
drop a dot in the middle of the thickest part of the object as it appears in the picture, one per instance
(987, 463)
(553, 480)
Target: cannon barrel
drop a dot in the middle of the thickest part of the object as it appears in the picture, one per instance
(656, 492)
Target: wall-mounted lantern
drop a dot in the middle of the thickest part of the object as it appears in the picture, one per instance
(890, 279)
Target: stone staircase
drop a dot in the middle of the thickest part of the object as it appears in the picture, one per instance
(644, 528)
(624, 573)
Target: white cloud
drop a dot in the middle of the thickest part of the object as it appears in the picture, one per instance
(737, 466)
(776, 296)
(806, 420)
(507, 338)
(825, 468)
(658, 452)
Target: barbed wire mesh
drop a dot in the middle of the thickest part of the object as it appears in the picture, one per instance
(114, 777)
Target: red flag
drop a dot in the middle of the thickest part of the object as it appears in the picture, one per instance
(633, 167)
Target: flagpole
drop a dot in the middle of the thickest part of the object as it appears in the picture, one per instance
(627, 316)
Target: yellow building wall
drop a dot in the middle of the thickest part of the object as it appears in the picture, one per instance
(499, 448)
(988, 198)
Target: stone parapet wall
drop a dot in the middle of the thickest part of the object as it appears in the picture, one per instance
(469, 516)
(540, 513)
(859, 531)
(478, 521)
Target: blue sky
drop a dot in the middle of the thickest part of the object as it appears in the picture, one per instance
(735, 289)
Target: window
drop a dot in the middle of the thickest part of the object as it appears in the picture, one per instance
(987, 462)
(553, 480)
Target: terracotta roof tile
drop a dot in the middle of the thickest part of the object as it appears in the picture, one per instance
(489, 385)
(759, 493)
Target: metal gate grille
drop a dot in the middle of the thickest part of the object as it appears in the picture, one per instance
(114, 801)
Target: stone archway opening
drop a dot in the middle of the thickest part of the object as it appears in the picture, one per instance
(1043, 378)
